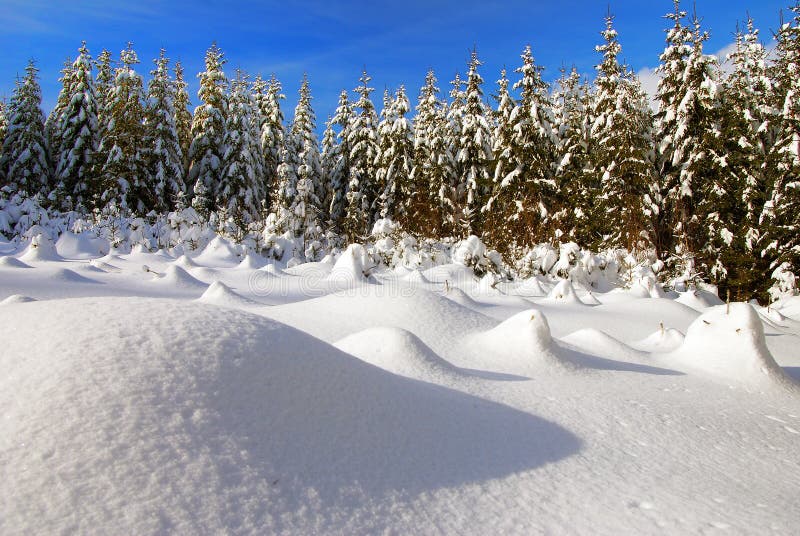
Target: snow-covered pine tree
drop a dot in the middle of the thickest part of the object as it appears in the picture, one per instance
(397, 157)
(25, 161)
(183, 118)
(337, 166)
(431, 158)
(687, 132)
(474, 155)
(572, 123)
(104, 84)
(208, 129)
(363, 161)
(162, 145)
(525, 199)
(3, 125)
(53, 125)
(781, 219)
(619, 150)
(125, 180)
(329, 159)
(239, 190)
(76, 182)
(735, 201)
(272, 137)
(450, 127)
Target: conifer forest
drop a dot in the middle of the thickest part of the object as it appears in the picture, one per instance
(702, 184)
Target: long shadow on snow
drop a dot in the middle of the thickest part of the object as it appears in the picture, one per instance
(583, 359)
(329, 421)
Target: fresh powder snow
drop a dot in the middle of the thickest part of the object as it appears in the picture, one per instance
(218, 392)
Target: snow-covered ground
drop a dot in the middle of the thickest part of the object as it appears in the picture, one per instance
(143, 393)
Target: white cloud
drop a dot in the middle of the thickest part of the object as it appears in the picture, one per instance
(649, 79)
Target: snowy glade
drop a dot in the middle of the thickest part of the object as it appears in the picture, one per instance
(702, 191)
(506, 318)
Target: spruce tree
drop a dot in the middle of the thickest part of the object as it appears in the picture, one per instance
(183, 117)
(424, 215)
(363, 161)
(524, 200)
(79, 138)
(474, 155)
(782, 211)
(687, 133)
(162, 145)
(450, 126)
(337, 166)
(125, 180)
(621, 143)
(208, 129)
(396, 160)
(53, 125)
(239, 191)
(272, 136)
(25, 161)
(572, 112)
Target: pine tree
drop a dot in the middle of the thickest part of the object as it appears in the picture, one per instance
(25, 162)
(474, 155)
(573, 172)
(621, 143)
(782, 210)
(450, 126)
(104, 85)
(208, 128)
(364, 154)
(53, 125)
(687, 132)
(240, 188)
(162, 145)
(524, 200)
(330, 157)
(396, 160)
(124, 174)
(79, 137)
(3, 125)
(183, 117)
(337, 166)
(268, 95)
(424, 215)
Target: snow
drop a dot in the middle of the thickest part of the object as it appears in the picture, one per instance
(152, 393)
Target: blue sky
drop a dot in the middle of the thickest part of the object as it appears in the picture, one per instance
(332, 41)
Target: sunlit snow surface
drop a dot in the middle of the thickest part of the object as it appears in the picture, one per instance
(147, 393)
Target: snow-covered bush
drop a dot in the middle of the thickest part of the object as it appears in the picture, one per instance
(473, 253)
(785, 282)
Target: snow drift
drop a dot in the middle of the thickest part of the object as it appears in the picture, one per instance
(222, 421)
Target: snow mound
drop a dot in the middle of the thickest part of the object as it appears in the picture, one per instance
(13, 262)
(663, 340)
(397, 350)
(218, 252)
(415, 277)
(311, 270)
(530, 288)
(176, 276)
(454, 274)
(564, 293)
(17, 298)
(218, 293)
(461, 297)
(487, 285)
(272, 269)
(65, 275)
(41, 248)
(699, 300)
(352, 267)
(728, 342)
(252, 261)
(104, 266)
(224, 422)
(590, 299)
(81, 246)
(519, 344)
(185, 262)
(599, 343)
